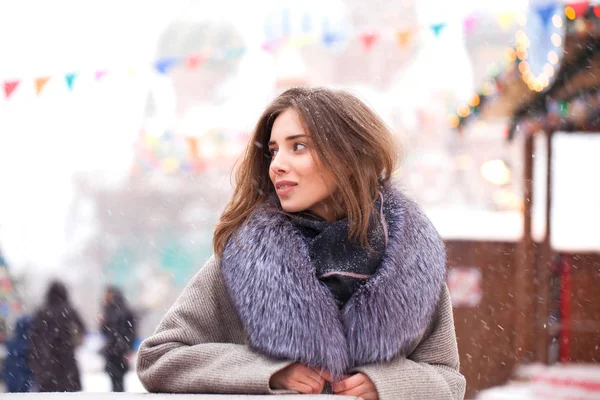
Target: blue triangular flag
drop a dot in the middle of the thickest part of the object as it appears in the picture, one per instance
(165, 64)
(70, 78)
(437, 29)
(546, 13)
(306, 23)
(330, 38)
(285, 22)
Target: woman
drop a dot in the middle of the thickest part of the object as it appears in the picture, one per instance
(56, 331)
(325, 278)
(118, 329)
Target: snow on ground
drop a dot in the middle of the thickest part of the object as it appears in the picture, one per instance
(91, 365)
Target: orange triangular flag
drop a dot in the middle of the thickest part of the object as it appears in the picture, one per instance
(193, 146)
(403, 37)
(40, 83)
(368, 40)
(10, 86)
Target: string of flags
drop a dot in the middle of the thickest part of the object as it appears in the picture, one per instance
(368, 39)
(162, 66)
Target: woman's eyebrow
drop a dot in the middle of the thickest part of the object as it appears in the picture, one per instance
(272, 142)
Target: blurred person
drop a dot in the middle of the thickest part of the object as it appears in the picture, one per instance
(18, 376)
(325, 277)
(56, 331)
(118, 328)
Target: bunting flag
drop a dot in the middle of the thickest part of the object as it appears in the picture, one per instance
(575, 11)
(40, 83)
(506, 19)
(163, 66)
(193, 61)
(100, 74)
(193, 147)
(368, 40)
(404, 37)
(579, 7)
(269, 46)
(545, 13)
(10, 86)
(437, 29)
(469, 23)
(299, 41)
(306, 23)
(232, 52)
(70, 79)
(330, 38)
(286, 22)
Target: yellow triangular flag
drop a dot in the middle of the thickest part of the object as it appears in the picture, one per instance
(40, 83)
(506, 19)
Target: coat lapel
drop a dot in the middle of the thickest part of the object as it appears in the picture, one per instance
(288, 313)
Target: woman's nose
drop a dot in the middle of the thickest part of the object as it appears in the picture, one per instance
(279, 164)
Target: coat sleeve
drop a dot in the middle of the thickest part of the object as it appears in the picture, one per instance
(431, 371)
(199, 346)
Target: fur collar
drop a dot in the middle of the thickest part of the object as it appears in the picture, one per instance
(288, 313)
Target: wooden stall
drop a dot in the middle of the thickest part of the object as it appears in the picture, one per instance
(539, 304)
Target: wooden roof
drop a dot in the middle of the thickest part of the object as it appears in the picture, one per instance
(577, 76)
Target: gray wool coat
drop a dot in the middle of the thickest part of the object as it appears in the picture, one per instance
(259, 307)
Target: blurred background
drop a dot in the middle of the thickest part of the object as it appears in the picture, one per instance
(120, 122)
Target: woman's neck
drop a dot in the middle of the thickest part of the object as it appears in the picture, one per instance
(327, 211)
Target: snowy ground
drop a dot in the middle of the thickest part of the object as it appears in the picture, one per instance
(99, 383)
(91, 364)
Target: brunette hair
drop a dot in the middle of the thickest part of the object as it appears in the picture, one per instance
(349, 139)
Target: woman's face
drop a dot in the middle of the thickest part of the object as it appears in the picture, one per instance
(300, 180)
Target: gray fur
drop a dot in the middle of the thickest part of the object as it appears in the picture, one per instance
(288, 313)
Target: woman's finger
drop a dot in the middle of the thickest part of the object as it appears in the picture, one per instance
(362, 391)
(301, 387)
(313, 383)
(314, 375)
(348, 383)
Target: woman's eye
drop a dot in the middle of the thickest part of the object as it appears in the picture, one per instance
(272, 152)
(299, 146)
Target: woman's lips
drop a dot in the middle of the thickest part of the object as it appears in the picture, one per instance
(285, 187)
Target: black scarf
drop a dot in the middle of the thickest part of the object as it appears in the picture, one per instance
(340, 263)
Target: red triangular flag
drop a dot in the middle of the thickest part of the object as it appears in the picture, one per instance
(580, 7)
(10, 86)
(40, 83)
(193, 61)
(368, 40)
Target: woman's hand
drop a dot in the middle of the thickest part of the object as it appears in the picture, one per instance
(298, 377)
(359, 385)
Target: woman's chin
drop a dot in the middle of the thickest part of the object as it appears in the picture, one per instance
(290, 207)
